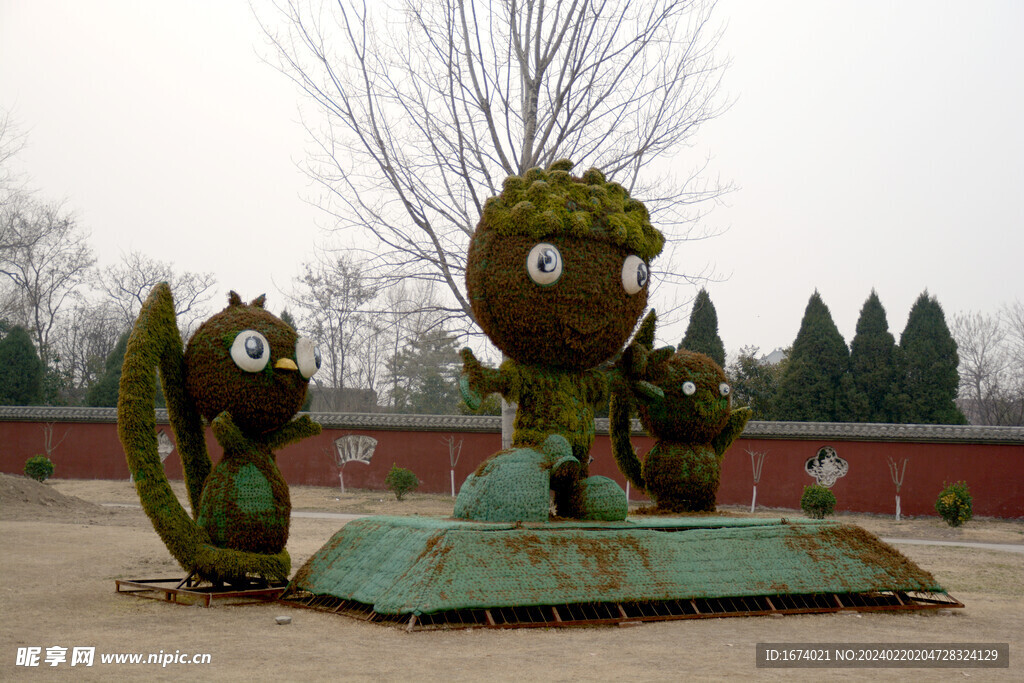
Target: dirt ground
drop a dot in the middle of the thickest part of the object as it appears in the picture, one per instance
(65, 542)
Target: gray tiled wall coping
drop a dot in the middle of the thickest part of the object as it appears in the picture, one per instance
(835, 431)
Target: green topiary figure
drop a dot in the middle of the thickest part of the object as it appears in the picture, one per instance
(692, 420)
(247, 373)
(557, 275)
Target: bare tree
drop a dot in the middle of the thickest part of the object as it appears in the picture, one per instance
(424, 109)
(47, 259)
(991, 384)
(329, 300)
(12, 183)
(130, 282)
(85, 336)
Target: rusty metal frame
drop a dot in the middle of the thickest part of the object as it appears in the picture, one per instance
(614, 613)
(190, 591)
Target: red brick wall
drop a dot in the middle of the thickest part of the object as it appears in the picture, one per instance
(994, 471)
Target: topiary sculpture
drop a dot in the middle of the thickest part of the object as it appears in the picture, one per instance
(557, 275)
(246, 372)
(692, 420)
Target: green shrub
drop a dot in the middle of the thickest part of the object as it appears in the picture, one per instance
(954, 504)
(818, 502)
(39, 467)
(401, 481)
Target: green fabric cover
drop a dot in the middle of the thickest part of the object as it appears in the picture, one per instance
(421, 565)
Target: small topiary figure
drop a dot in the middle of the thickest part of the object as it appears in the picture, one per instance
(817, 501)
(39, 467)
(954, 504)
(692, 420)
(246, 372)
(557, 275)
(401, 481)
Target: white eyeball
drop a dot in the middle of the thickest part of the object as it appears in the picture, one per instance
(635, 274)
(307, 356)
(544, 264)
(250, 351)
(689, 388)
(724, 389)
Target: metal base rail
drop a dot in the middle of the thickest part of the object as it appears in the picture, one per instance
(190, 591)
(613, 613)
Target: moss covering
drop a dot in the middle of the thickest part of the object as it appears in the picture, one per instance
(242, 505)
(551, 202)
(693, 422)
(557, 275)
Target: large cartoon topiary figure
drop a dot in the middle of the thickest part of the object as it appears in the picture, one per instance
(246, 372)
(692, 420)
(557, 275)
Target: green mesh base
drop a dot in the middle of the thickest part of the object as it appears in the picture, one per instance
(402, 565)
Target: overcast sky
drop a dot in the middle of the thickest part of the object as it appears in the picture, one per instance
(874, 145)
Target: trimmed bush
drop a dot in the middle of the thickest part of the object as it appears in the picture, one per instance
(400, 481)
(954, 504)
(39, 467)
(817, 501)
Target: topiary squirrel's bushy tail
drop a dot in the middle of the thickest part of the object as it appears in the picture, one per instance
(620, 407)
(155, 343)
(620, 426)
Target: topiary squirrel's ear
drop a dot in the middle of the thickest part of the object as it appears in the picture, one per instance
(259, 301)
(645, 335)
(234, 299)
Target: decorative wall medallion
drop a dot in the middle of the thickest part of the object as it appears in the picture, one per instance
(826, 467)
(357, 447)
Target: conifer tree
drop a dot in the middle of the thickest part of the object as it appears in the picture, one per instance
(702, 332)
(928, 363)
(755, 382)
(21, 370)
(873, 374)
(104, 391)
(812, 385)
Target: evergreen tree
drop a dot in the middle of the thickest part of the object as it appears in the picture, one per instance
(755, 382)
(927, 362)
(21, 371)
(287, 319)
(873, 374)
(702, 332)
(427, 374)
(104, 392)
(811, 388)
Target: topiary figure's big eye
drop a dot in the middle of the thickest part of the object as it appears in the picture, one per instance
(724, 389)
(634, 274)
(307, 356)
(689, 388)
(250, 351)
(544, 264)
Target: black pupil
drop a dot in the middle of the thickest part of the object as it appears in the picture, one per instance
(641, 275)
(316, 356)
(546, 260)
(254, 347)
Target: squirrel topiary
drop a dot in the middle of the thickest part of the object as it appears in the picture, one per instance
(692, 421)
(246, 372)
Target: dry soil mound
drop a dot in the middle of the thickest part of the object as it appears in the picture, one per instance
(22, 498)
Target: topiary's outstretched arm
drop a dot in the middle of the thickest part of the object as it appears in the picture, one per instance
(733, 428)
(478, 381)
(155, 342)
(295, 430)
